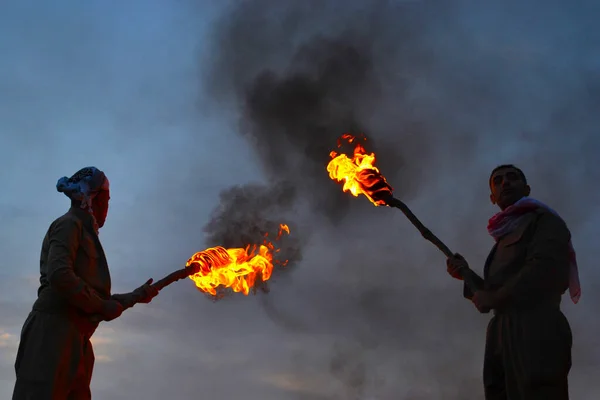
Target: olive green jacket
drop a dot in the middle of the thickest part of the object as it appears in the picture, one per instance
(74, 274)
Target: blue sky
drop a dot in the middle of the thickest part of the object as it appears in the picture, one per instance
(125, 87)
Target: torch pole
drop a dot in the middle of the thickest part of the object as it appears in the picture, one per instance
(174, 277)
(427, 234)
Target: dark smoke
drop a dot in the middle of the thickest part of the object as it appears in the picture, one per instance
(444, 91)
(293, 118)
(246, 213)
(254, 210)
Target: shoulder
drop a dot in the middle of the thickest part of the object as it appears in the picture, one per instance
(66, 222)
(551, 224)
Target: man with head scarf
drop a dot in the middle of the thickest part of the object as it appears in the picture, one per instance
(55, 359)
(528, 343)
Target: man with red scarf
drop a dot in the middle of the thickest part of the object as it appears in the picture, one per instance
(528, 342)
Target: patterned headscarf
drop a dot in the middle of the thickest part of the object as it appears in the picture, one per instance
(83, 186)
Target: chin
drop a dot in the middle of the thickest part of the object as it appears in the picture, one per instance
(510, 202)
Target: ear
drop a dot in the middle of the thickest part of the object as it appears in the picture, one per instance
(527, 190)
(492, 198)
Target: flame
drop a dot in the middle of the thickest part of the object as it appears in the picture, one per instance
(236, 268)
(359, 174)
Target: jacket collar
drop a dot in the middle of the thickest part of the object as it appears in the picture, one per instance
(84, 216)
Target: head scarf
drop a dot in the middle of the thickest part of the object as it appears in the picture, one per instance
(83, 186)
(507, 220)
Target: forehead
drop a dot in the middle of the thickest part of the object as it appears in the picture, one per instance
(505, 171)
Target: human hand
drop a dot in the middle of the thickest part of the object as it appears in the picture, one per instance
(484, 301)
(146, 292)
(111, 309)
(455, 265)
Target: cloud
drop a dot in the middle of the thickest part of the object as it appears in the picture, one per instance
(101, 358)
(8, 341)
(306, 385)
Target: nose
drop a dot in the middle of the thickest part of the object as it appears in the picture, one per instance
(506, 183)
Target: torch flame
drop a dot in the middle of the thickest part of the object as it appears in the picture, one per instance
(236, 268)
(359, 174)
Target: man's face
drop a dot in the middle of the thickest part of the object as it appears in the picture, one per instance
(507, 187)
(100, 207)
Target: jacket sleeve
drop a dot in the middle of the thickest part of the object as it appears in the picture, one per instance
(130, 299)
(64, 241)
(545, 270)
(467, 292)
(127, 300)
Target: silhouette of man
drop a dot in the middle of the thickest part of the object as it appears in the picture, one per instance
(55, 359)
(528, 341)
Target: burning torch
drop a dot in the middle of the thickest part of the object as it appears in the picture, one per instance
(360, 176)
(238, 269)
(216, 268)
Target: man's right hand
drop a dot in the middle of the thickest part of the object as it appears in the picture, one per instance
(111, 309)
(455, 266)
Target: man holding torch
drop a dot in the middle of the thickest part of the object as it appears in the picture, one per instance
(55, 359)
(528, 346)
(528, 343)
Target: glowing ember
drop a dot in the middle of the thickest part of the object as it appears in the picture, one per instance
(359, 174)
(237, 269)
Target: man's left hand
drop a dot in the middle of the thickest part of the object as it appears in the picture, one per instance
(146, 292)
(484, 300)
